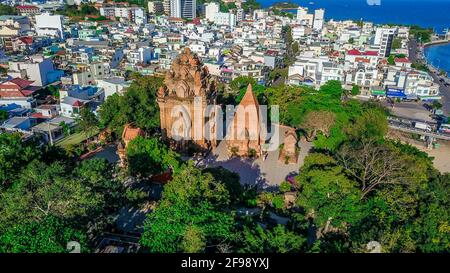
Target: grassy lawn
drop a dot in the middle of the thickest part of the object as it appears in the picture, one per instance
(72, 139)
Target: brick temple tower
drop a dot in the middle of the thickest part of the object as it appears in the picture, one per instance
(188, 89)
(245, 139)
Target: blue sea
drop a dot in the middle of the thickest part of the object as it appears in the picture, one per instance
(439, 56)
(426, 13)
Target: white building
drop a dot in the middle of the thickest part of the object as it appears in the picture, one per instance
(302, 13)
(383, 40)
(112, 85)
(314, 71)
(49, 25)
(211, 9)
(142, 55)
(225, 19)
(166, 6)
(240, 15)
(136, 15)
(260, 14)
(319, 17)
(298, 32)
(36, 69)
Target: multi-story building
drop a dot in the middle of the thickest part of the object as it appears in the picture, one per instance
(383, 41)
(314, 71)
(183, 9)
(18, 91)
(166, 6)
(240, 14)
(142, 55)
(136, 15)
(211, 9)
(319, 17)
(28, 10)
(112, 85)
(225, 19)
(35, 68)
(156, 7)
(49, 25)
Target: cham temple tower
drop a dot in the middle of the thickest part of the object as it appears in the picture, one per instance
(187, 81)
(245, 134)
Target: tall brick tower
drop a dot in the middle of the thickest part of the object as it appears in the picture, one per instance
(188, 89)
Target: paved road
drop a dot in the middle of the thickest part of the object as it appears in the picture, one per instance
(409, 110)
(418, 131)
(445, 91)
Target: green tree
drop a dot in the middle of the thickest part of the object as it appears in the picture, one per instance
(50, 235)
(137, 105)
(231, 180)
(249, 5)
(370, 125)
(190, 199)
(43, 190)
(396, 43)
(355, 90)
(391, 60)
(432, 228)
(376, 165)
(436, 105)
(193, 240)
(88, 122)
(329, 197)
(242, 82)
(86, 194)
(7, 10)
(3, 116)
(256, 239)
(14, 156)
(148, 156)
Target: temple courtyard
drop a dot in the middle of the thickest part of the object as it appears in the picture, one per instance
(265, 172)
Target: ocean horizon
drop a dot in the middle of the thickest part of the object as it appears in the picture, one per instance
(426, 13)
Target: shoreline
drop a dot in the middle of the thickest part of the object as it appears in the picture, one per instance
(434, 44)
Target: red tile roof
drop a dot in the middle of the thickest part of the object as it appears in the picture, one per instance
(77, 103)
(196, 21)
(26, 7)
(362, 60)
(21, 82)
(175, 19)
(371, 53)
(354, 52)
(401, 60)
(27, 40)
(38, 115)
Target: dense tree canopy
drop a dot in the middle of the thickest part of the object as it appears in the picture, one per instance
(356, 186)
(148, 156)
(57, 200)
(88, 122)
(137, 105)
(14, 155)
(50, 235)
(7, 10)
(192, 213)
